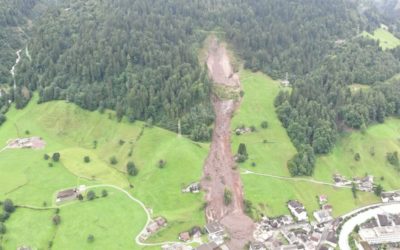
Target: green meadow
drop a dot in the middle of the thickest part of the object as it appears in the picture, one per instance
(269, 195)
(386, 39)
(28, 179)
(372, 146)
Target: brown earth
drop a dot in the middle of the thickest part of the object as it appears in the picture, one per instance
(219, 169)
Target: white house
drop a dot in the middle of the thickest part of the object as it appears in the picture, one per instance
(323, 216)
(297, 209)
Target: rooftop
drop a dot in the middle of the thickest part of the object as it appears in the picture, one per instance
(214, 227)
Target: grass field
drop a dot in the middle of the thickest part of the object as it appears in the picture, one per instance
(28, 180)
(386, 39)
(257, 106)
(270, 195)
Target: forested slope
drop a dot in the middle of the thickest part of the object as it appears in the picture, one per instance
(140, 58)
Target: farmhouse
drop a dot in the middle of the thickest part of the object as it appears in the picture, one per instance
(161, 221)
(366, 184)
(192, 188)
(184, 236)
(67, 195)
(323, 199)
(340, 180)
(32, 142)
(298, 210)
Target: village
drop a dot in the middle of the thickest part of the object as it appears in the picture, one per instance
(297, 230)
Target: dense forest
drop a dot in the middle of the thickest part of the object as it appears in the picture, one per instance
(140, 58)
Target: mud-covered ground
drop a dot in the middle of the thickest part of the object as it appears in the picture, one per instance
(219, 172)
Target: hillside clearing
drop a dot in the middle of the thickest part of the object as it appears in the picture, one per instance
(386, 39)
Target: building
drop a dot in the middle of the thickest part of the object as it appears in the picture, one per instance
(216, 232)
(184, 236)
(323, 199)
(192, 188)
(67, 195)
(298, 211)
(152, 227)
(323, 216)
(176, 246)
(366, 184)
(208, 246)
(390, 196)
(327, 207)
(257, 246)
(380, 235)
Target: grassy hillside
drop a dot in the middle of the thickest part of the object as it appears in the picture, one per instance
(379, 139)
(27, 179)
(386, 39)
(256, 107)
(267, 194)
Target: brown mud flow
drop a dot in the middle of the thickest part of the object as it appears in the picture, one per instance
(219, 173)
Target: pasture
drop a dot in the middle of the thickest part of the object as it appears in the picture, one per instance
(28, 179)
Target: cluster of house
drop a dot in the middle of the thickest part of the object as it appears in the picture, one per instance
(382, 229)
(192, 188)
(292, 236)
(390, 196)
(70, 194)
(284, 232)
(31, 142)
(216, 238)
(154, 226)
(365, 184)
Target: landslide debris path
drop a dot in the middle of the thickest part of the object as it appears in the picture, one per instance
(219, 173)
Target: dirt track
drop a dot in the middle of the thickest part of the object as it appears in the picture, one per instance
(219, 173)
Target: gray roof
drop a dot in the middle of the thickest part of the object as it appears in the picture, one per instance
(66, 193)
(384, 220)
(208, 246)
(214, 227)
(295, 204)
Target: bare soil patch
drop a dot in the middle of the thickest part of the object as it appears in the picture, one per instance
(219, 169)
(31, 142)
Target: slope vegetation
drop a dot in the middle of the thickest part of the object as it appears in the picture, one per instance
(268, 152)
(28, 180)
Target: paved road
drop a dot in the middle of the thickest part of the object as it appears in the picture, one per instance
(360, 218)
(246, 171)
